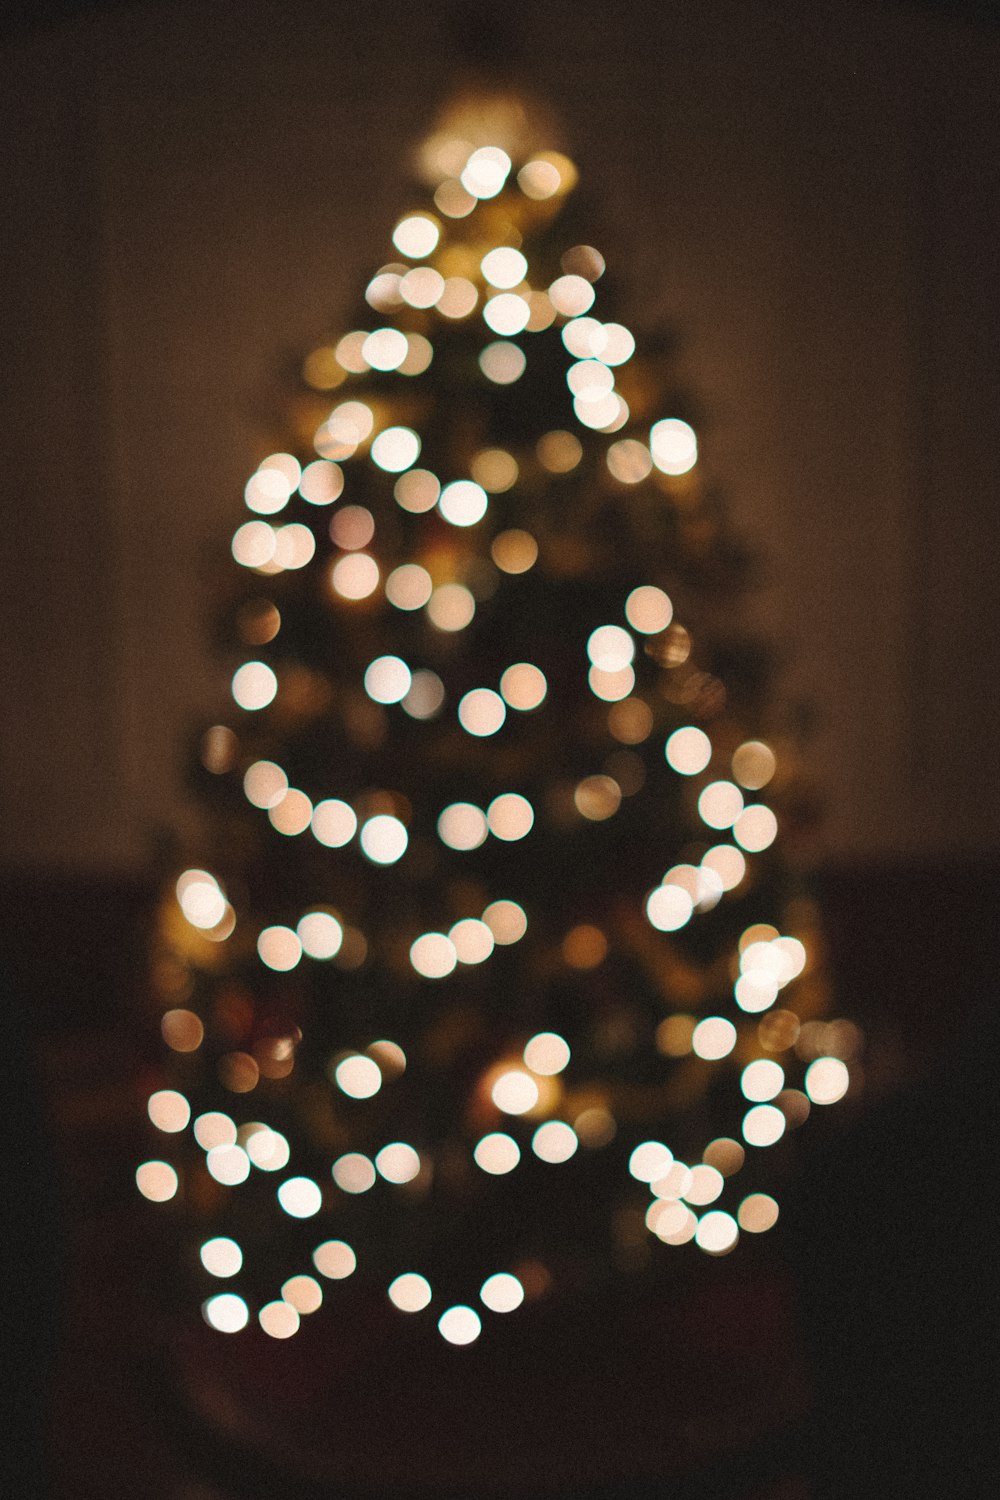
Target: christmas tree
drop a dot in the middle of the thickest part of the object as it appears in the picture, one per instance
(493, 975)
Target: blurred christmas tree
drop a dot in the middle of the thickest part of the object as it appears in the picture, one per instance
(496, 975)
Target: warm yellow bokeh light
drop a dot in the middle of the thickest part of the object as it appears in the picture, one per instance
(507, 922)
(514, 551)
(359, 1077)
(497, 1154)
(168, 1110)
(462, 825)
(416, 236)
(354, 1173)
(502, 1293)
(410, 1292)
(335, 1260)
(510, 817)
(433, 955)
(221, 1257)
(451, 607)
(714, 1037)
(157, 1181)
(384, 839)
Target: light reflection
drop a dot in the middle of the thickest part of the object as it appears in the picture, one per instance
(546, 175)
(254, 544)
(547, 1053)
(673, 1035)
(264, 784)
(668, 908)
(504, 267)
(597, 798)
(705, 1185)
(214, 1129)
(725, 1155)
(523, 686)
(267, 1149)
(419, 353)
(595, 1127)
(630, 721)
(648, 610)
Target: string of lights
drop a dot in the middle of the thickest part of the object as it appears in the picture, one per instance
(499, 977)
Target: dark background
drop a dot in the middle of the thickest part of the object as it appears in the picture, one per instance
(811, 202)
